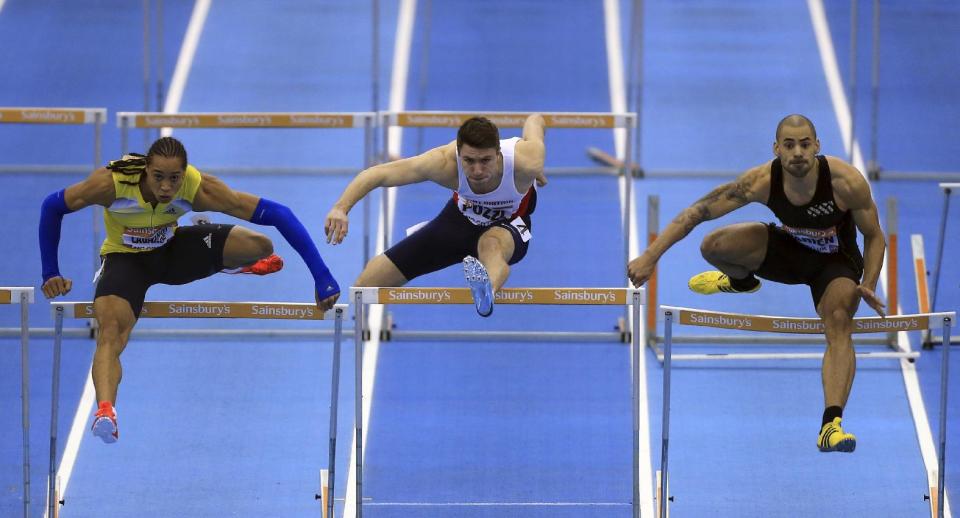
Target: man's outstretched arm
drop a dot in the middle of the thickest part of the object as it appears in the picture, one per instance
(531, 150)
(215, 195)
(434, 165)
(96, 189)
(720, 201)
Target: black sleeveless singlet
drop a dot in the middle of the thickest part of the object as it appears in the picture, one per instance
(818, 224)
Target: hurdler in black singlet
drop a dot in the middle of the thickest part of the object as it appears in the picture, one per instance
(816, 242)
(819, 224)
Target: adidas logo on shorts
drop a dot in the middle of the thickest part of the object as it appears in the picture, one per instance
(209, 240)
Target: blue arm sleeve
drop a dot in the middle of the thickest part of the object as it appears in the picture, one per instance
(51, 216)
(280, 216)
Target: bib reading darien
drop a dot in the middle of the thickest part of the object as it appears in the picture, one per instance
(823, 240)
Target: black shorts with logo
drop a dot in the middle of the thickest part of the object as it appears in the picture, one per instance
(789, 262)
(193, 253)
(448, 238)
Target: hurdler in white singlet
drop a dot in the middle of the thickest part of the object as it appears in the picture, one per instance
(503, 203)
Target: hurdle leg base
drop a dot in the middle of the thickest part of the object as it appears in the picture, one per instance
(387, 328)
(626, 336)
(656, 495)
(932, 498)
(324, 494)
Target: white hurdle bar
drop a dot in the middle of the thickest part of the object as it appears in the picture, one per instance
(24, 297)
(632, 297)
(194, 309)
(697, 317)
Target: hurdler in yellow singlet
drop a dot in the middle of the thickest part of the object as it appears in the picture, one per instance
(134, 225)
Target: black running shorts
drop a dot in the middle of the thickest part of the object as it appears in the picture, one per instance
(194, 252)
(789, 262)
(448, 238)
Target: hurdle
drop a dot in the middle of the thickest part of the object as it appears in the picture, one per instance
(948, 189)
(633, 298)
(296, 120)
(506, 119)
(96, 117)
(262, 120)
(188, 309)
(23, 296)
(653, 339)
(696, 317)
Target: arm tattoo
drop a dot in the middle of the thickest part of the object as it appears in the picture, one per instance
(738, 191)
(700, 211)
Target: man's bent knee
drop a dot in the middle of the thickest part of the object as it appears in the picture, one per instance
(742, 244)
(244, 247)
(258, 244)
(496, 244)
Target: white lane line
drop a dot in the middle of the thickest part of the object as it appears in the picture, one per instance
(618, 103)
(398, 93)
(185, 59)
(77, 428)
(842, 110)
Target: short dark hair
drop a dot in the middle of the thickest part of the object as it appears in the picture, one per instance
(795, 120)
(478, 132)
(168, 147)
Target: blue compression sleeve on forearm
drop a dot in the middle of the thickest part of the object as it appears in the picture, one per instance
(51, 216)
(280, 216)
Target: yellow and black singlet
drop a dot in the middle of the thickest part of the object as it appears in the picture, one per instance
(134, 225)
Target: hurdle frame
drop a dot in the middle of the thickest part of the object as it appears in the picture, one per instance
(689, 316)
(182, 309)
(23, 296)
(262, 120)
(653, 339)
(55, 116)
(948, 189)
(626, 121)
(632, 298)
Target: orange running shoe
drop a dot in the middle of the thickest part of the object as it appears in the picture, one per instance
(105, 423)
(270, 264)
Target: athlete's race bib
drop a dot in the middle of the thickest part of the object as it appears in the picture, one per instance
(484, 213)
(147, 237)
(823, 240)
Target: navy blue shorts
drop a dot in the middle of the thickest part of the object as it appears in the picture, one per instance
(194, 252)
(448, 238)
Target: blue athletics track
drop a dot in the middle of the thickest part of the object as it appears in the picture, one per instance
(237, 425)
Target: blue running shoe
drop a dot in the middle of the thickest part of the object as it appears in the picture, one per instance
(479, 283)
